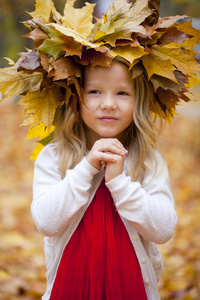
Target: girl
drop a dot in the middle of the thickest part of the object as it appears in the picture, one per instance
(101, 193)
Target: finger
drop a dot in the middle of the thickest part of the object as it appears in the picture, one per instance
(103, 163)
(111, 145)
(106, 157)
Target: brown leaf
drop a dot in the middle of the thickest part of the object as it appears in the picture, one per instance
(71, 46)
(184, 97)
(165, 83)
(167, 94)
(173, 35)
(78, 88)
(66, 67)
(137, 70)
(73, 104)
(37, 35)
(153, 18)
(96, 58)
(45, 61)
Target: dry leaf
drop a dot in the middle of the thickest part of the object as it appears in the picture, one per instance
(40, 106)
(44, 9)
(65, 67)
(80, 19)
(13, 83)
(31, 61)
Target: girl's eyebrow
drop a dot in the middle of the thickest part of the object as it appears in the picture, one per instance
(91, 84)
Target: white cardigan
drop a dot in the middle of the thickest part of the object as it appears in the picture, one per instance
(58, 205)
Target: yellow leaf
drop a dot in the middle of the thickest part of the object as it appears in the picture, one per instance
(167, 115)
(190, 30)
(40, 106)
(183, 60)
(44, 9)
(13, 83)
(120, 20)
(78, 19)
(78, 37)
(129, 53)
(156, 65)
(139, 11)
(193, 80)
(39, 131)
(36, 151)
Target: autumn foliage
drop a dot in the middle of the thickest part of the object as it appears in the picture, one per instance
(49, 75)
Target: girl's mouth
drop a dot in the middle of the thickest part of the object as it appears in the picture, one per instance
(108, 119)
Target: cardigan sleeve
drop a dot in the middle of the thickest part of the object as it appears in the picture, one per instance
(55, 200)
(148, 206)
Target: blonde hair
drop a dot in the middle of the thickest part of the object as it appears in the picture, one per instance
(140, 138)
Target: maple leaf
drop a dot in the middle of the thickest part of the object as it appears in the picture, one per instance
(167, 97)
(31, 61)
(37, 35)
(76, 90)
(120, 20)
(153, 18)
(129, 53)
(173, 35)
(169, 21)
(78, 37)
(137, 70)
(45, 61)
(40, 106)
(79, 19)
(13, 83)
(45, 9)
(71, 47)
(190, 30)
(155, 64)
(192, 81)
(184, 60)
(96, 58)
(65, 67)
(45, 136)
(53, 47)
(39, 131)
(165, 83)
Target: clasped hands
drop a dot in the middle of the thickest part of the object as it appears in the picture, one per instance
(110, 153)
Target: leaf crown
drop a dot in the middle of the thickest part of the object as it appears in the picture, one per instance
(48, 76)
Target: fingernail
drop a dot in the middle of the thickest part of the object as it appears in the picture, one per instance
(125, 151)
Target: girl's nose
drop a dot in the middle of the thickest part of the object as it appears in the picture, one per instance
(108, 102)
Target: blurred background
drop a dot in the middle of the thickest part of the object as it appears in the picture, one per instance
(22, 266)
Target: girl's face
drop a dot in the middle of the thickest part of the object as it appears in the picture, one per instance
(109, 101)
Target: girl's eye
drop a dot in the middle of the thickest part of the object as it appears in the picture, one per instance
(122, 93)
(94, 92)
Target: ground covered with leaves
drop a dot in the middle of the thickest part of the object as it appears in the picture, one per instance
(22, 266)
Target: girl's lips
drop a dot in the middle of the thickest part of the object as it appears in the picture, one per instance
(108, 119)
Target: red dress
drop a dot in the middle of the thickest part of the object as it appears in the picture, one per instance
(99, 262)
